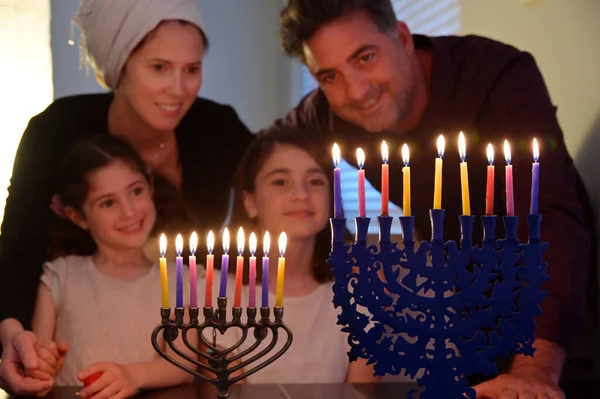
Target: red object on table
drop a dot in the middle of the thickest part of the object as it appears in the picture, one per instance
(90, 379)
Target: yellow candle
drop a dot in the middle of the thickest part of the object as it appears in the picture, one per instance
(406, 181)
(464, 176)
(280, 270)
(437, 193)
(164, 283)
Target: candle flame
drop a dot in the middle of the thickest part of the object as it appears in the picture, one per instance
(226, 240)
(266, 243)
(462, 147)
(240, 241)
(282, 244)
(490, 153)
(210, 242)
(405, 155)
(335, 152)
(360, 158)
(179, 244)
(252, 244)
(507, 152)
(162, 244)
(193, 243)
(384, 152)
(536, 151)
(441, 145)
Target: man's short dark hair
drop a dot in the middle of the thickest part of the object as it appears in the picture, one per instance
(299, 19)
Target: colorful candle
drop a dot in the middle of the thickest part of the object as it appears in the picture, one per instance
(265, 270)
(239, 269)
(385, 177)
(252, 272)
(362, 204)
(337, 183)
(437, 188)
(193, 279)
(489, 189)
(464, 175)
(164, 281)
(280, 270)
(210, 261)
(510, 202)
(406, 181)
(179, 264)
(535, 179)
(224, 264)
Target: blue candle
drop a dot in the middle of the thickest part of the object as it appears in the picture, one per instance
(337, 184)
(535, 179)
(265, 270)
(224, 264)
(179, 264)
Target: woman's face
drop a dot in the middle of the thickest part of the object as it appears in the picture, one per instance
(162, 78)
(291, 194)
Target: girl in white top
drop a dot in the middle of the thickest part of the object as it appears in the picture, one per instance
(285, 188)
(105, 306)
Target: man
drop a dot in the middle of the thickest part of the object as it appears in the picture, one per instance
(377, 81)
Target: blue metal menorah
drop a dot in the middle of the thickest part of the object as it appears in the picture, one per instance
(436, 309)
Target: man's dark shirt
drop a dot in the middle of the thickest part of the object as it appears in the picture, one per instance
(491, 92)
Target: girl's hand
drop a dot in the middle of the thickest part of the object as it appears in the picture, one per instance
(51, 357)
(116, 381)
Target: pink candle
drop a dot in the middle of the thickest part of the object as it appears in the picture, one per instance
(265, 270)
(193, 281)
(239, 271)
(210, 260)
(252, 272)
(489, 190)
(179, 265)
(362, 205)
(510, 202)
(385, 173)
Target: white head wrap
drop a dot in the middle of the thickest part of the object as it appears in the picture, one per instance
(110, 29)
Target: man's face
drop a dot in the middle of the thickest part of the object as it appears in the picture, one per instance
(367, 75)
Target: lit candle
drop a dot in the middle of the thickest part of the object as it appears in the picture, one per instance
(437, 191)
(385, 177)
(252, 275)
(179, 264)
(510, 202)
(224, 264)
(406, 181)
(337, 184)
(164, 281)
(464, 175)
(239, 269)
(210, 261)
(489, 189)
(265, 270)
(193, 280)
(280, 270)
(535, 179)
(362, 205)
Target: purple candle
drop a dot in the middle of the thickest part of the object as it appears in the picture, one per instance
(252, 271)
(265, 270)
(179, 264)
(337, 185)
(224, 264)
(535, 179)
(510, 201)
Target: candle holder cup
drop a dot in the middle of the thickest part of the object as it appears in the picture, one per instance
(222, 362)
(438, 311)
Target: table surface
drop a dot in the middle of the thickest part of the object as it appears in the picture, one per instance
(579, 389)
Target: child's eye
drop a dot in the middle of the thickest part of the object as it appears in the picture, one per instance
(318, 182)
(107, 203)
(158, 67)
(278, 182)
(138, 190)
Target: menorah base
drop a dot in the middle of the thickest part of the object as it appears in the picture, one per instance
(222, 367)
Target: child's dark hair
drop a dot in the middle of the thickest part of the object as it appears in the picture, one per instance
(254, 159)
(72, 187)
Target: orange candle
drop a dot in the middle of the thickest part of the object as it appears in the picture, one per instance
(210, 261)
(385, 173)
(437, 188)
(164, 283)
(280, 270)
(464, 175)
(239, 271)
(405, 181)
(489, 189)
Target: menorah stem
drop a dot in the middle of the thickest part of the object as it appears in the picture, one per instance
(385, 228)
(489, 229)
(362, 230)
(534, 222)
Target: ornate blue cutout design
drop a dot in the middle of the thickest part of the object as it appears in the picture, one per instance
(438, 310)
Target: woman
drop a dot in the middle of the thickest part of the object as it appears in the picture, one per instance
(149, 53)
